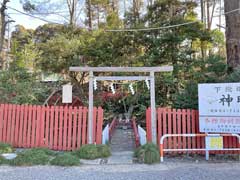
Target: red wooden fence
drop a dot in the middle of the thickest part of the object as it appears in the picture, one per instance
(180, 121)
(57, 128)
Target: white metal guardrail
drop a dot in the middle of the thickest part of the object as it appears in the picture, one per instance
(105, 135)
(162, 150)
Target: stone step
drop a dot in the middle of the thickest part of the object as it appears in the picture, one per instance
(123, 157)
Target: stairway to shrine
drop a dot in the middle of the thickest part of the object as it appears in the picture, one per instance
(122, 145)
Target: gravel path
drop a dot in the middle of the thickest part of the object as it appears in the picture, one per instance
(166, 171)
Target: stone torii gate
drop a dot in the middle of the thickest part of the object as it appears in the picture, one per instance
(151, 77)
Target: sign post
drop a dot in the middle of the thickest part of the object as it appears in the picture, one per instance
(213, 142)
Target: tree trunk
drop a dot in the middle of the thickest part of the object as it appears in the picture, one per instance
(89, 13)
(2, 28)
(232, 32)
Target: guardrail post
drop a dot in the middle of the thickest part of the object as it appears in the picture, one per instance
(161, 152)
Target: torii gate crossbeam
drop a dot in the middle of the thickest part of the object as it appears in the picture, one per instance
(151, 77)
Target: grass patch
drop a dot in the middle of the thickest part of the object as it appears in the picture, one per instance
(4, 161)
(92, 151)
(66, 159)
(148, 153)
(5, 148)
(36, 156)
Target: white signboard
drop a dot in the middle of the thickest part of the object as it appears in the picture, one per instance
(214, 142)
(67, 93)
(219, 107)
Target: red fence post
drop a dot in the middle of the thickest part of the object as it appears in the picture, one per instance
(79, 124)
(179, 124)
(65, 123)
(13, 124)
(189, 145)
(29, 126)
(95, 122)
(84, 126)
(159, 124)
(56, 128)
(16, 132)
(34, 130)
(8, 134)
(69, 143)
(25, 126)
(169, 123)
(74, 143)
(184, 145)
(60, 143)
(193, 120)
(174, 127)
(42, 127)
(1, 122)
(99, 126)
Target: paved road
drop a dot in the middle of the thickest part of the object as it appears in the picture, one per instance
(166, 171)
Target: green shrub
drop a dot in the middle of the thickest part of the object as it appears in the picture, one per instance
(88, 152)
(66, 159)
(92, 151)
(5, 148)
(4, 161)
(37, 156)
(148, 153)
(103, 150)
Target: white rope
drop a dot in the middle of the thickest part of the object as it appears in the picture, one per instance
(26, 14)
(151, 28)
(229, 12)
(166, 27)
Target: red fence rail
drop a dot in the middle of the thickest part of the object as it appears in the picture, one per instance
(112, 127)
(182, 121)
(135, 131)
(57, 128)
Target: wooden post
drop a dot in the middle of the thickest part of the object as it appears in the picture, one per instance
(153, 107)
(90, 109)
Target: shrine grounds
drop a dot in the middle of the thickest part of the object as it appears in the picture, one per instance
(198, 170)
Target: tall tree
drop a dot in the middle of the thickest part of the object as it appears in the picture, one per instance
(3, 25)
(89, 13)
(232, 32)
(51, 7)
